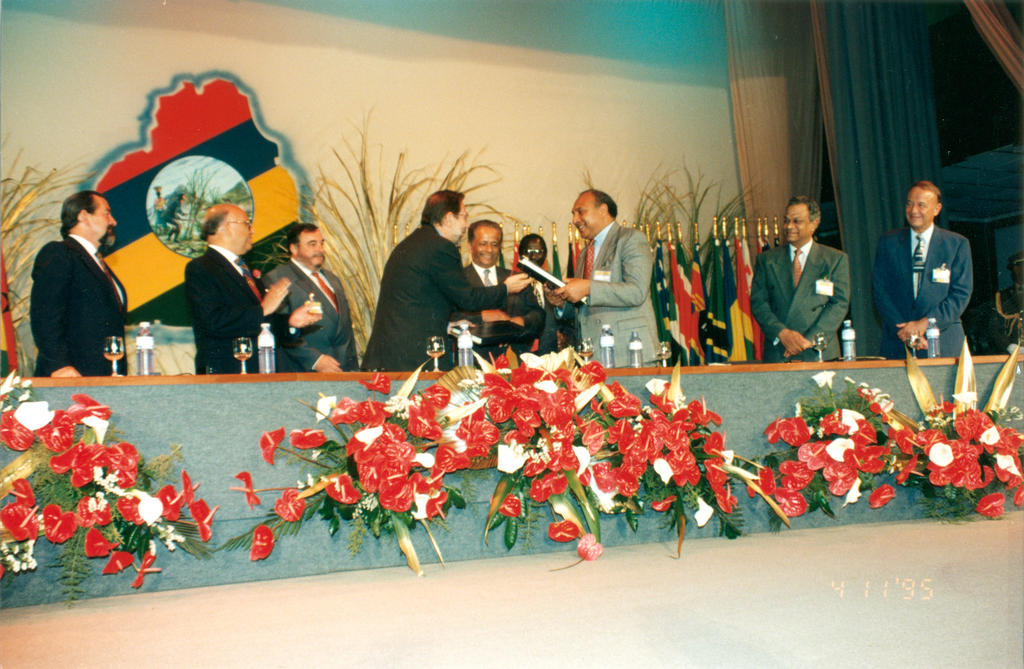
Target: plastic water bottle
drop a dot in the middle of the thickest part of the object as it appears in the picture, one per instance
(145, 352)
(465, 343)
(932, 334)
(849, 338)
(636, 350)
(265, 342)
(607, 345)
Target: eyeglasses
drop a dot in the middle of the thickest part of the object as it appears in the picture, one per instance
(246, 223)
(533, 252)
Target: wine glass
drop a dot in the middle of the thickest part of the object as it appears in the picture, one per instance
(435, 349)
(585, 349)
(664, 353)
(820, 342)
(242, 351)
(113, 350)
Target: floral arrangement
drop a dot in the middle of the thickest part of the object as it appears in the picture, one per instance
(962, 459)
(557, 433)
(95, 499)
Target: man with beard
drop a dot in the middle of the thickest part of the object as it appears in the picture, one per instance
(77, 302)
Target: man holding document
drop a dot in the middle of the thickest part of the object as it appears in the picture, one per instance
(613, 277)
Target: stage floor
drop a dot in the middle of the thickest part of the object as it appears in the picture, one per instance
(908, 594)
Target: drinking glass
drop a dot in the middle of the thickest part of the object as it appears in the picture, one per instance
(113, 350)
(820, 343)
(435, 349)
(586, 349)
(664, 353)
(242, 351)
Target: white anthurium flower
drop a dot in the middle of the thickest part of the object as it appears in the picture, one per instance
(34, 415)
(583, 455)
(849, 418)
(941, 454)
(583, 399)
(605, 500)
(368, 435)
(990, 436)
(1006, 463)
(546, 386)
(656, 386)
(886, 405)
(824, 378)
(324, 405)
(425, 460)
(98, 425)
(9, 384)
(511, 458)
(854, 494)
(704, 512)
(150, 508)
(727, 456)
(532, 360)
(970, 398)
(838, 447)
(663, 469)
(420, 512)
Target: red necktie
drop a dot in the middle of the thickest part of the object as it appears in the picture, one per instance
(247, 275)
(326, 290)
(110, 277)
(797, 270)
(588, 261)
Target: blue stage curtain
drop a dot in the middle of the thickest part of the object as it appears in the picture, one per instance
(884, 134)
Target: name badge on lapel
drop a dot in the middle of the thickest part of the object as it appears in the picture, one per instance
(940, 274)
(605, 275)
(823, 287)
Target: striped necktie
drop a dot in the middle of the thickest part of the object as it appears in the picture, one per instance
(797, 269)
(918, 263)
(249, 279)
(326, 290)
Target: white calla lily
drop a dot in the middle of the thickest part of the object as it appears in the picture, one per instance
(425, 460)
(605, 500)
(824, 378)
(663, 469)
(1006, 463)
(420, 512)
(990, 437)
(940, 454)
(368, 435)
(704, 512)
(583, 399)
(150, 508)
(838, 447)
(656, 386)
(546, 386)
(98, 425)
(324, 405)
(511, 458)
(33, 415)
(969, 397)
(854, 494)
(583, 455)
(849, 418)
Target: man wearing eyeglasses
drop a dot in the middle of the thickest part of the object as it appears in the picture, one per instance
(227, 300)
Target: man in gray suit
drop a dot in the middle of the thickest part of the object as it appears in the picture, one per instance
(328, 345)
(613, 273)
(800, 289)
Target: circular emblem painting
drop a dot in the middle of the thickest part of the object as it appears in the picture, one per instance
(180, 194)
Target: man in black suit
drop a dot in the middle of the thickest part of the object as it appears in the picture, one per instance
(922, 272)
(800, 289)
(522, 309)
(227, 300)
(329, 345)
(77, 302)
(423, 284)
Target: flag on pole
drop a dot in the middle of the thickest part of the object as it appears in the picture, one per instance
(9, 353)
(688, 332)
(698, 303)
(556, 265)
(744, 280)
(716, 336)
(661, 287)
(733, 315)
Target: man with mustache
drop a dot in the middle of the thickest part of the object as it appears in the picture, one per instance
(328, 345)
(77, 301)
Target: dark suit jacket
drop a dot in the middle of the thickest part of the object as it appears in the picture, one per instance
(776, 304)
(331, 335)
(523, 303)
(73, 309)
(223, 308)
(422, 285)
(893, 283)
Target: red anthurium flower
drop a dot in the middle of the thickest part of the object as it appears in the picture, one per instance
(307, 438)
(250, 496)
(881, 496)
(552, 483)
(96, 545)
(604, 477)
(262, 543)
(269, 442)
(86, 406)
(119, 561)
(377, 383)
(793, 431)
(58, 525)
(422, 422)
(437, 397)
(478, 433)
(588, 548)
(907, 470)
(22, 492)
(14, 434)
(563, 531)
(87, 457)
(623, 403)
(396, 494)
(511, 507)
(20, 520)
(129, 509)
(290, 506)
(447, 459)
(814, 455)
(172, 501)
(661, 505)
(792, 503)
(344, 412)
(92, 511)
(700, 415)
(435, 505)
(991, 505)
(124, 462)
(342, 490)
(203, 516)
(1018, 496)
(147, 568)
(714, 444)
(593, 436)
(371, 414)
(187, 489)
(595, 371)
(60, 464)
(59, 434)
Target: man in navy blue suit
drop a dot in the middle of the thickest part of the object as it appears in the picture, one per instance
(77, 301)
(922, 272)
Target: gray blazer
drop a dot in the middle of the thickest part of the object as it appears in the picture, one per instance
(331, 335)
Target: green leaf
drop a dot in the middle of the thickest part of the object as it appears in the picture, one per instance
(511, 532)
(456, 498)
(631, 520)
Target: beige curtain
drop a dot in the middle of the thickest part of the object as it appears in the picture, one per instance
(1003, 36)
(825, 88)
(775, 104)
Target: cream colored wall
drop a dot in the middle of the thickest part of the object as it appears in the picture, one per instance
(74, 87)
